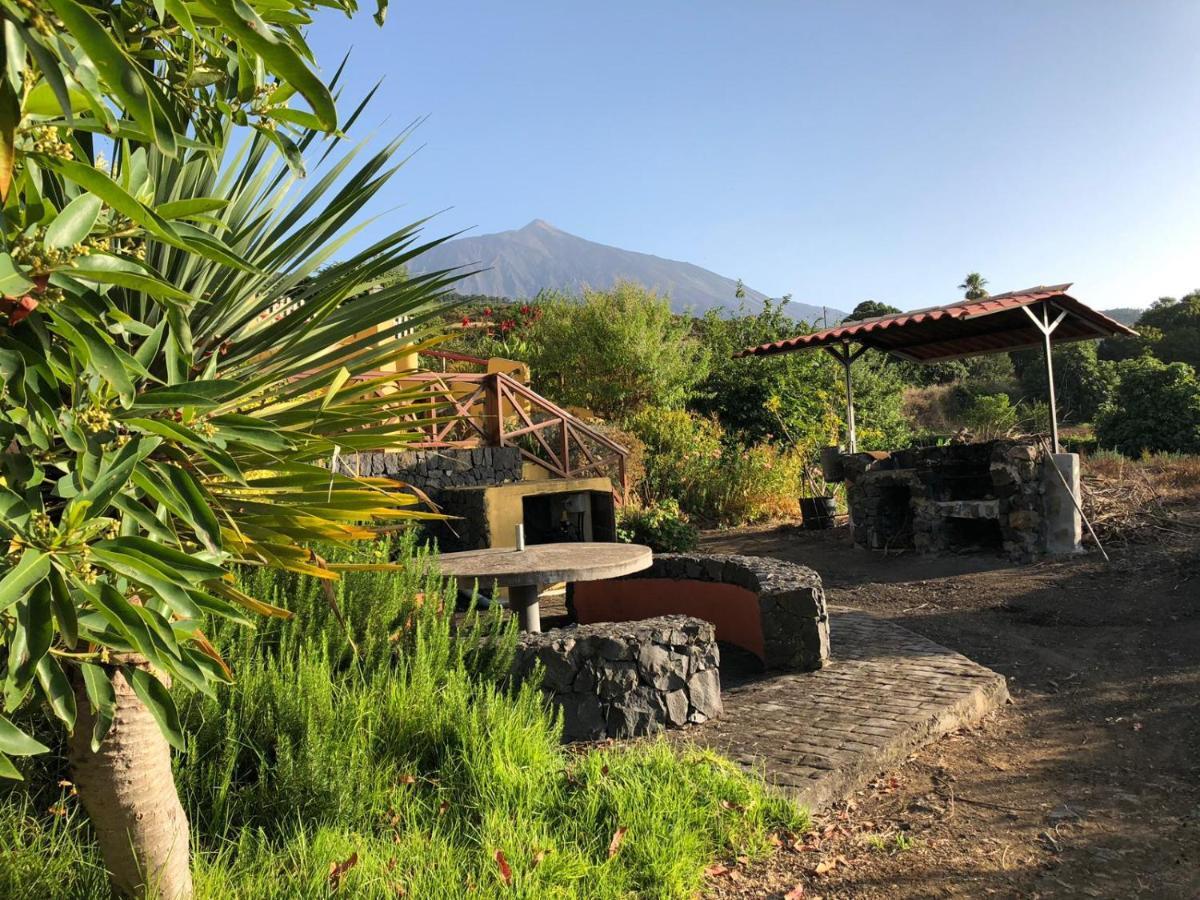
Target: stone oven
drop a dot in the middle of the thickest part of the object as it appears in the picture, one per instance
(1001, 496)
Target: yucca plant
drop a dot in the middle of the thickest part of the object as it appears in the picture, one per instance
(183, 364)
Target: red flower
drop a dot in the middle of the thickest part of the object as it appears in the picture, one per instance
(506, 325)
(466, 321)
(525, 309)
(487, 310)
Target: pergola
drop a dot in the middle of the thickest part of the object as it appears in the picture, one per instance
(1039, 316)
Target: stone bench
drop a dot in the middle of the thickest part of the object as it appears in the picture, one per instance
(773, 609)
(624, 680)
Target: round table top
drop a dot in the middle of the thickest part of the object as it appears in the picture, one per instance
(547, 563)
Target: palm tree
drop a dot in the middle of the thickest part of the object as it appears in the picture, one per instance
(975, 286)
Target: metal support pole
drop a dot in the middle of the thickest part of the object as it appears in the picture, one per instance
(1049, 353)
(1046, 327)
(846, 358)
(851, 434)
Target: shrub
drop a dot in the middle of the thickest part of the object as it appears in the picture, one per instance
(662, 526)
(760, 483)
(682, 455)
(1083, 382)
(789, 396)
(689, 460)
(990, 416)
(1156, 408)
(407, 757)
(614, 351)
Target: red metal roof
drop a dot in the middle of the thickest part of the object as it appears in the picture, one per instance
(965, 328)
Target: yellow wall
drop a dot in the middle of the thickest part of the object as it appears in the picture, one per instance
(504, 510)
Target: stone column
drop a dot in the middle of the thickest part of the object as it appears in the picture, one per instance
(1064, 526)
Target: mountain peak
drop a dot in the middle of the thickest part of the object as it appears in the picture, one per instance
(518, 264)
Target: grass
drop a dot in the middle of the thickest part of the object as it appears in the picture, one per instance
(410, 759)
(891, 844)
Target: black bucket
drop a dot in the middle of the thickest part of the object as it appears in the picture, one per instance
(817, 512)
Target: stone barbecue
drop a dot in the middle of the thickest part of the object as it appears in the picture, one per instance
(1001, 496)
(628, 679)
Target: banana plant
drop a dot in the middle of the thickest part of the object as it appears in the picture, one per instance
(189, 347)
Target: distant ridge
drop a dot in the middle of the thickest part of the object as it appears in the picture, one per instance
(1126, 315)
(539, 256)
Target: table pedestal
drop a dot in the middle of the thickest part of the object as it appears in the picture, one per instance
(523, 600)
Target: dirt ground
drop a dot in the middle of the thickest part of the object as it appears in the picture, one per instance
(1087, 785)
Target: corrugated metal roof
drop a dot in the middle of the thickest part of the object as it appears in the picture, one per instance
(965, 328)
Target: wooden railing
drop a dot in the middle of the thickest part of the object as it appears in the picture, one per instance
(473, 409)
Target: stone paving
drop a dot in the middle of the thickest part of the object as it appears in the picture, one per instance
(822, 735)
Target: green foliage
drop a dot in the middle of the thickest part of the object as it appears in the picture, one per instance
(1171, 329)
(160, 72)
(871, 309)
(1083, 383)
(689, 459)
(990, 416)
(789, 396)
(493, 327)
(974, 286)
(614, 351)
(682, 455)
(1156, 408)
(661, 525)
(878, 403)
(410, 757)
(177, 371)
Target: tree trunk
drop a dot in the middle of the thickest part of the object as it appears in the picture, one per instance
(129, 793)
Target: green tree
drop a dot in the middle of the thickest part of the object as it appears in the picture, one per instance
(788, 396)
(870, 309)
(614, 351)
(177, 389)
(1171, 329)
(1156, 408)
(974, 286)
(1083, 383)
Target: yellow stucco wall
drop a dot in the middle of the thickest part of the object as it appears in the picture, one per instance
(504, 510)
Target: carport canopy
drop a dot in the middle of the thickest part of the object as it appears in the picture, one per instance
(1039, 316)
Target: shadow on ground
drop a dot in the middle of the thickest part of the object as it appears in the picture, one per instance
(1087, 786)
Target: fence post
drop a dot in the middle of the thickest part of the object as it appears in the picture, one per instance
(493, 412)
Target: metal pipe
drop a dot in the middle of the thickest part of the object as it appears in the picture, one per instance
(1046, 331)
(851, 435)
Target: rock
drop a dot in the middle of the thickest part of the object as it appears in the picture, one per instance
(677, 707)
(704, 693)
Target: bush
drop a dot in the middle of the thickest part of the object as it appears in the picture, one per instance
(1156, 408)
(662, 526)
(990, 416)
(789, 396)
(407, 757)
(682, 457)
(1083, 383)
(614, 351)
(760, 483)
(689, 460)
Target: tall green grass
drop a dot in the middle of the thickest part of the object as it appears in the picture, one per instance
(394, 740)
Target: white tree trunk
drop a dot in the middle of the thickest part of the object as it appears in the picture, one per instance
(129, 793)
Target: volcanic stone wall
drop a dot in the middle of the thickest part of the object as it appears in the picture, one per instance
(432, 471)
(625, 679)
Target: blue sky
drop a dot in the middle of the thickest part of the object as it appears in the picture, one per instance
(835, 151)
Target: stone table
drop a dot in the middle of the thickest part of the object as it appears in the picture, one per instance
(523, 572)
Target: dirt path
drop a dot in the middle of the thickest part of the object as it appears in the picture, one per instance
(1088, 785)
